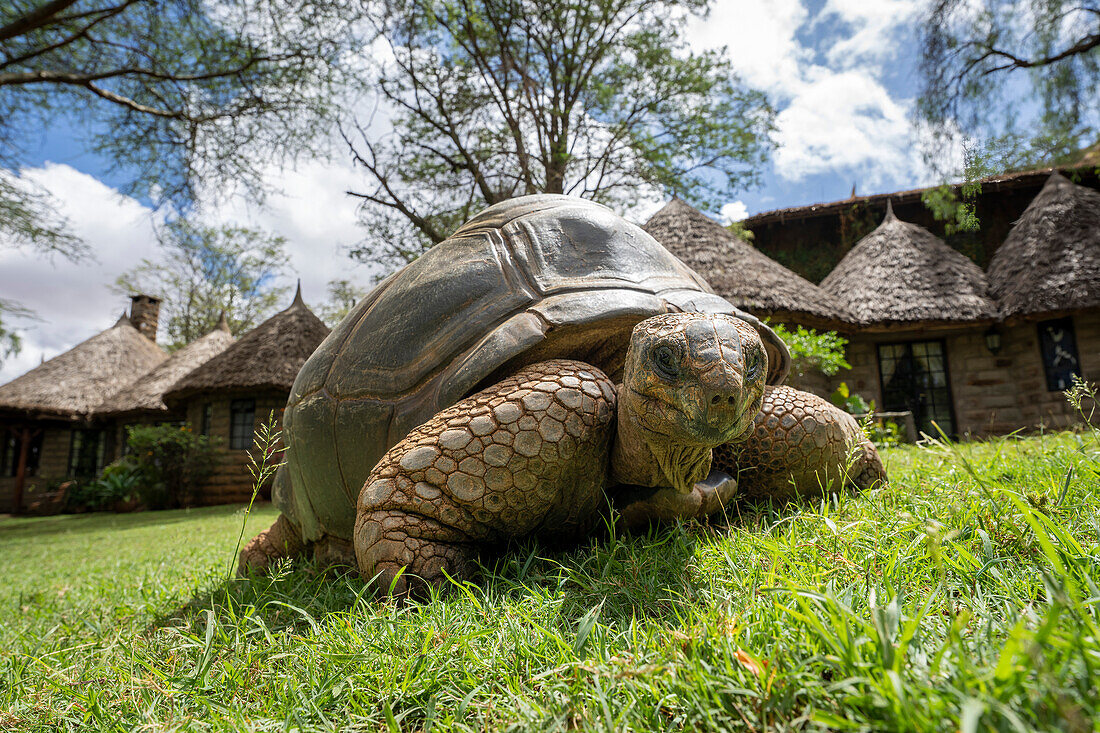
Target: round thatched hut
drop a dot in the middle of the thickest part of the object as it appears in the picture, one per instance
(919, 309)
(739, 272)
(235, 391)
(1046, 278)
(47, 431)
(143, 400)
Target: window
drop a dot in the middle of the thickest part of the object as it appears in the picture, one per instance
(914, 378)
(207, 418)
(87, 453)
(1058, 348)
(10, 448)
(242, 420)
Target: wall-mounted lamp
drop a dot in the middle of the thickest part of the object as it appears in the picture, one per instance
(993, 340)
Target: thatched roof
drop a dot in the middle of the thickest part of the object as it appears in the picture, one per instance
(902, 273)
(735, 269)
(147, 393)
(72, 384)
(1050, 261)
(266, 358)
(995, 184)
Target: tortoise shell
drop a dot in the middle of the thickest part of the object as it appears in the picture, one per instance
(526, 280)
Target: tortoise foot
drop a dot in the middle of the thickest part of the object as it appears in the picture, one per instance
(405, 554)
(280, 540)
(638, 507)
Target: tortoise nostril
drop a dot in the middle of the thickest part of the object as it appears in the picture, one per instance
(716, 399)
(730, 400)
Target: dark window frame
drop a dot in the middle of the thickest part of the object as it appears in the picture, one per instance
(206, 419)
(239, 440)
(78, 468)
(13, 444)
(1054, 377)
(953, 432)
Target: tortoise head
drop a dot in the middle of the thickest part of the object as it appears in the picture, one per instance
(694, 379)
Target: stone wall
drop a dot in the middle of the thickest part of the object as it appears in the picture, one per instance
(992, 394)
(231, 482)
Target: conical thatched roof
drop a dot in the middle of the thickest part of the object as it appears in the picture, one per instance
(147, 393)
(735, 269)
(72, 384)
(902, 273)
(1050, 261)
(266, 358)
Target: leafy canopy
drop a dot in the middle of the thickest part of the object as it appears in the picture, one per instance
(175, 94)
(1017, 81)
(492, 99)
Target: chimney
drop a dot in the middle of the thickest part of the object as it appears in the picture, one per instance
(144, 314)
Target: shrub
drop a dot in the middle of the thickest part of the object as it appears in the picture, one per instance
(120, 482)
(171, 462)
(813, 351)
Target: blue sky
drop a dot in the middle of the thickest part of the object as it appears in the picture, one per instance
(841, 73)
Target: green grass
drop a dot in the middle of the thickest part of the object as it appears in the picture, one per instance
(962, 596)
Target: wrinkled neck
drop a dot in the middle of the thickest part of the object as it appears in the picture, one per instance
(641, 457)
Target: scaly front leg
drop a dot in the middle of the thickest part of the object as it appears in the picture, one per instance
(524, 457)
(800, 445)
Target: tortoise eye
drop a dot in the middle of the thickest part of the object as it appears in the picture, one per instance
(666, 361)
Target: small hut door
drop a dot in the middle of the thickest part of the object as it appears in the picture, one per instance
(914, 378)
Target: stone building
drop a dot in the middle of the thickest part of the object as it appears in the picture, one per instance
(977, 352)
(913, 301)
(49, 429)
(238, 389)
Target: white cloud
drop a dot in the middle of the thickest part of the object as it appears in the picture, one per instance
(835, 115)
(72, 299)
(759, 38)
(875, 29)
(735, 211)
(845, 121)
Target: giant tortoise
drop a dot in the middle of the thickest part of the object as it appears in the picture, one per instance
(547, 361)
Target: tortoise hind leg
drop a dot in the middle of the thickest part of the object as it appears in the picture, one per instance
(281, 540)
(800, 445)
(525, 457)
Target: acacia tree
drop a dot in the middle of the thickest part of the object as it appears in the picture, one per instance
(175, 94)
(204, 272)
(491, 99)
(1017, 80)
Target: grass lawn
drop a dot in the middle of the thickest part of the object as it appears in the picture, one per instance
(962, 596)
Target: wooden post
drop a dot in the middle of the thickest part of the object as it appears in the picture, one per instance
(21, 470)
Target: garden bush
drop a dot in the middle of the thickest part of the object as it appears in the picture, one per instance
(812, 351)
(169, 461)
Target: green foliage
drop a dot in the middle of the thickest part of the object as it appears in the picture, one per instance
(849, 401)
(203, 272)
(171, 462)
(119, 482)
(494, 99)
(1014, 79)
(813, 351)
(738, 229)
(10, 341)
(959, 597)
